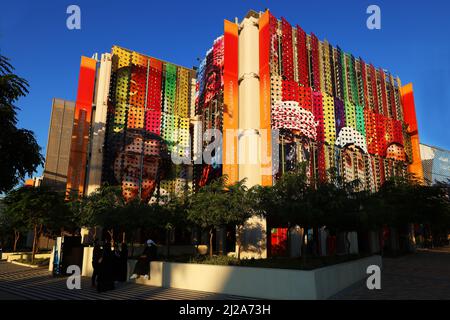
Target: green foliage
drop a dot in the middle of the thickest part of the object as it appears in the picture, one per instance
(20, 153)
(28, 207)
(216, 205)
(102, 207)
(274, 262)
(342, 206)
(39, 209)
(173, 213)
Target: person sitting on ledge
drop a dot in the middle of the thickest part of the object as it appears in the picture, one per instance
(142, 267)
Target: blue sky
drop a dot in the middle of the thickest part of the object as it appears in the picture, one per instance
(412, 43)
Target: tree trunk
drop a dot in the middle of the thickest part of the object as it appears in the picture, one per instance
(95, 233)
(304, 245)
(211, 234)
(288, 240)
(347, 243)
(167, 243)
(111, 235)
(381, 241)
(16, 239)
(239, 243)
(34, 243)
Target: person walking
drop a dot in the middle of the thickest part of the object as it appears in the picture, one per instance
(123, 263)
(106, 270)
(96, 255)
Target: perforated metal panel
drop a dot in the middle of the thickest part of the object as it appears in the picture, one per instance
(147, 118)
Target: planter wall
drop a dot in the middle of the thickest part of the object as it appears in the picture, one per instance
(264, 283)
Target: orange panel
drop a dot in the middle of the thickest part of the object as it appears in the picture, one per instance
(265, 108)
(80, 133)
(231, 111)
(409, 114)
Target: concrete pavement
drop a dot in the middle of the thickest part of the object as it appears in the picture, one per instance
(424, 275)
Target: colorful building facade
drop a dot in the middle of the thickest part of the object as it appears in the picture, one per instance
(268, 97)
(131, 116)
(333, 111)
(299, 102)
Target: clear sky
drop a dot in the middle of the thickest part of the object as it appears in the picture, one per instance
(413, 43)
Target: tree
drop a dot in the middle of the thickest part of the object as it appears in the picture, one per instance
(12, 222)
(20, 153)
(216, 205)
(39, 209)
(102, 208)
(130, 217)
(240, 208)
(172, 215)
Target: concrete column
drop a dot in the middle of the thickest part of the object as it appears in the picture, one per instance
(99, 124)
(249, 105)
(249, 145)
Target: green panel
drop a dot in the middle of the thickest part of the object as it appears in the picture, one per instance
(353, 84)
(170, 88)
(360, 125)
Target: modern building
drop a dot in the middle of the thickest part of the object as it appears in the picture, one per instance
(332, 111)
(436, 164)
(267, 96)
(58, 144)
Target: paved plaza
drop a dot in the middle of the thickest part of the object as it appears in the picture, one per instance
(424, 275)
(19, 282)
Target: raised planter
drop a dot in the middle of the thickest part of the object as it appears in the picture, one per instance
(264, 283)
(24, 264)
(26, 255)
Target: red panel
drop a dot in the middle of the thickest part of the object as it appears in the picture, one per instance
(287, 51)
(315, 62)
(154, 98)
(381, 134)
(153, 121)
(383, 92)
(279, 241)
(290, 91)
(154, 87)
(397, 131)
(305, 98)
(321, 167)
(318, 115)
(302, 58)
(137, 85)
(371, 133)
(373, 76)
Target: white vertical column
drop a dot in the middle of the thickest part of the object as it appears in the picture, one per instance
(249, 106)
(249, 145)
(99, 123)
